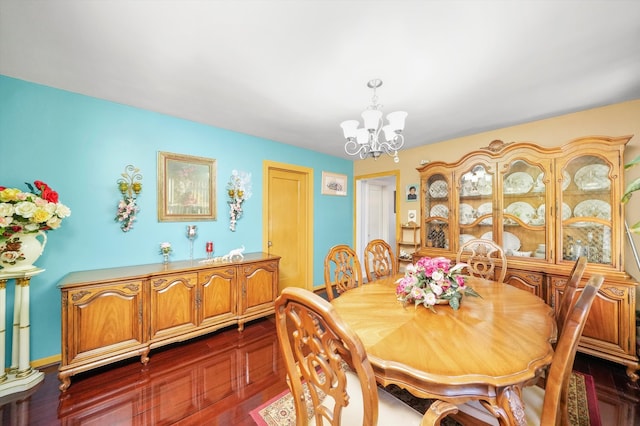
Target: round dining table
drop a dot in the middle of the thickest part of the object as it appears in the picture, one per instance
(487, 350)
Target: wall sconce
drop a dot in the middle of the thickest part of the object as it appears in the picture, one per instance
(130, 186)
(239, 190)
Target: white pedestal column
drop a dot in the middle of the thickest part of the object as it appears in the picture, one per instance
(3, 327)
(21, 376)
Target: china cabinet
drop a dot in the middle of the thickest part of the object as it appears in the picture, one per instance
(545, 207)
(117, 313)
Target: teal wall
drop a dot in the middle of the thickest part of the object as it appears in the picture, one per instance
(80, 145)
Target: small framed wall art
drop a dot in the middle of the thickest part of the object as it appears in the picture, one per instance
(334, 184)
(186, 188)
(412, 192)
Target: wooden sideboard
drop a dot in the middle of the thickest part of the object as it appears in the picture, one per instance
(117, 313)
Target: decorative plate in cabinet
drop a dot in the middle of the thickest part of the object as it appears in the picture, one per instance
(593, 177)
(518, 183)
(438, 189)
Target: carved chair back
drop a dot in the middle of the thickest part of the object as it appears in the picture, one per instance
(379, 260)
(342, 270)
(482, 256)
(324, 355)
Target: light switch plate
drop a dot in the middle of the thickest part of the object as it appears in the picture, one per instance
(412, 215)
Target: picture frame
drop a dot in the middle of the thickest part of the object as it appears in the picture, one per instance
(186, 188)
(412, 192)
(334, 184)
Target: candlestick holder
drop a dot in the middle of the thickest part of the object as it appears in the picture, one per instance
(209, 249)
(191, 235)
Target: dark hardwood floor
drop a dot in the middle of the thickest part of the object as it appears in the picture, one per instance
(217, 380)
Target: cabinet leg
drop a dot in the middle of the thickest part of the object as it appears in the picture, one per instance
(240, 327)
(65, 382)
(144, 357)
(632, 373)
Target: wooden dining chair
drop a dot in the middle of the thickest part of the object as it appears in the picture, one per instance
(569, 292)
(342, 270)
(481, 257)
(548, 406)
(324, 355)
(379, 260)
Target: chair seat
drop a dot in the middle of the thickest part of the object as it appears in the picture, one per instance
(391, 411)
(532, 398)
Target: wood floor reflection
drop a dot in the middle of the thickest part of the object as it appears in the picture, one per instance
(217, 380)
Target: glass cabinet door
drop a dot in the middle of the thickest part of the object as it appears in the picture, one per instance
(525, 218)
(436, 212)
(587, 222)
(476, 204)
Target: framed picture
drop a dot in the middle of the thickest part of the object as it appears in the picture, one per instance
(334, 184)
(186, 188)
(412, 192)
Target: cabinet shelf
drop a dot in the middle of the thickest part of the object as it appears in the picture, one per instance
(408, 242)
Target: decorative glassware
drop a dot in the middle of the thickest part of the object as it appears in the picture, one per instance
(191, 235)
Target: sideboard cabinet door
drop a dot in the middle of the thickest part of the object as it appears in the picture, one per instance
(218, 298)
(172, 305)
(258, 286)
(107, 321)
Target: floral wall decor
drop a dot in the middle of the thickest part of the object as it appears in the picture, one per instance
(130, 186)
(239, 190)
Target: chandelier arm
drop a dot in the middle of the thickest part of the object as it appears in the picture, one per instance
(392, 148)
(354, 148)
(397, 143)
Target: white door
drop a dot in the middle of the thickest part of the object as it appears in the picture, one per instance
(375, 215)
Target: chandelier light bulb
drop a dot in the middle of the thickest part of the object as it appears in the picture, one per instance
(366, 141)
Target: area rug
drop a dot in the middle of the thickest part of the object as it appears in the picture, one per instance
(583, 405)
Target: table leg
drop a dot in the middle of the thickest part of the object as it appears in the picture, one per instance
(510, 403)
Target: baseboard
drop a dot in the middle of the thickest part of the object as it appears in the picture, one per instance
(45, 362)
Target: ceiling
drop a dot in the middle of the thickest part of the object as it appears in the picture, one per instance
(292, 71)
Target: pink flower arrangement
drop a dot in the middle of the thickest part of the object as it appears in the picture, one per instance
(433, 281)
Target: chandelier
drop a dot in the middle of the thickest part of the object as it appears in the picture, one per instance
(366, 141)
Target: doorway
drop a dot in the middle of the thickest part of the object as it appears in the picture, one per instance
(288, 222)
(375, 206)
